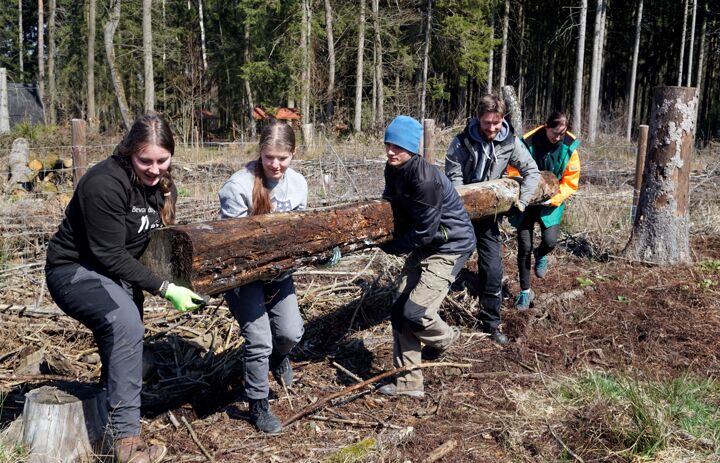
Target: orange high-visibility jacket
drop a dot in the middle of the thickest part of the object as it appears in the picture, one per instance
(564, 162)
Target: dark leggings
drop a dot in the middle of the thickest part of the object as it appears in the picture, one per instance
(548, 241)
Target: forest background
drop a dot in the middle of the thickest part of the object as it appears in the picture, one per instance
(352, 66)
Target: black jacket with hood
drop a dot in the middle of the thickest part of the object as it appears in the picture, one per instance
(428, 212)
(107, 224)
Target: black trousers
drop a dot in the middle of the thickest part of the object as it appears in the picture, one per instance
(490, 271)
(548, 241)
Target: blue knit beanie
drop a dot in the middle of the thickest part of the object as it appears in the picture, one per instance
(405, 132)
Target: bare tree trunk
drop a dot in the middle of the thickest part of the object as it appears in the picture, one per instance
(380, 115)
(41, 56)
(549, 103)
(21, 40)
(109, 34)
(359, 75)
(426, 57)
(630, 106)
(248, 90)
(681, 63)
(330, 105)
(579, 62)
(688, 82)
(164, 58)
(91, 116)
(305, 73)
(702, 51)
(147, 56)
(662, 223)
(521, 53)
(504, 53)
(594, 106)
(491, 57)
(202, 36)
(513, 106)
(52, 85)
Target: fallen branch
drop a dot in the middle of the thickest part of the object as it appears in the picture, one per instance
(560, 441)
(441, 451)
(370, 424)
(320, 403)
(196, 440)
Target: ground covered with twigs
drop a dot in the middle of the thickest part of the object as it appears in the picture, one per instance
(616, 361)
(593, 319)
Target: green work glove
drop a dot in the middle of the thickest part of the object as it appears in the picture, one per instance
(183, 299)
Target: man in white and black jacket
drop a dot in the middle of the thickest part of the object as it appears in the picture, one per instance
(480, 153)
(432, 225)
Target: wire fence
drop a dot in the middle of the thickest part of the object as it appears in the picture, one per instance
(336, 173)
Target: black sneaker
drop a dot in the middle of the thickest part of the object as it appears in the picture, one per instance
(434, 353)
(262, 418)
(281, 369)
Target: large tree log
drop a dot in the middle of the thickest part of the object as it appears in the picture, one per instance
(211, 257)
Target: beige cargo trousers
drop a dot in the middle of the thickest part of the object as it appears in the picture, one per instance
(424, 282)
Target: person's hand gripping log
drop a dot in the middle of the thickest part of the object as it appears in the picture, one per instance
(183, 298)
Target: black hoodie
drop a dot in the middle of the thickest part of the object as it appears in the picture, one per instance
(107, 224)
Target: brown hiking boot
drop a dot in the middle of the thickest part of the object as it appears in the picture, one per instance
(135, 450)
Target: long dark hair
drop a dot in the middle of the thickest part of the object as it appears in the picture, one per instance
(277, 135)
(151, 129)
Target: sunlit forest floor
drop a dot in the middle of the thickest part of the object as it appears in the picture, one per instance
(616, 360)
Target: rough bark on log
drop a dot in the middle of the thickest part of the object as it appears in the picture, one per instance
(63, 425)
(212, 257)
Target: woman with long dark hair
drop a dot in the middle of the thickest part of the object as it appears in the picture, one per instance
(554, 149)
(94, 275)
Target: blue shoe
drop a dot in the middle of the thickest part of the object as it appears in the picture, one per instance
(541, 266)
(523, 300)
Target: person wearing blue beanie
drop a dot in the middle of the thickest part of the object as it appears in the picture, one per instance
(405, 132)
(431, 224)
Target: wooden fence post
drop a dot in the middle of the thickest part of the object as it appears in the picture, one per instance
(661, 232)
(639, 166)
(4, 114)
(79, 155)
(429, 140)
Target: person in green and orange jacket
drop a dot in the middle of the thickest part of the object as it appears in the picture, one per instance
(554, 149)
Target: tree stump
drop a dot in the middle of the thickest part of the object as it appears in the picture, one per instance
(64, 425)
(661, 232)
(21, 176)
